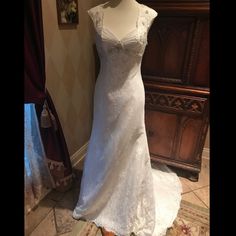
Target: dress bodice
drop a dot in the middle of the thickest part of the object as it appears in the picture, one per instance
(123, 54)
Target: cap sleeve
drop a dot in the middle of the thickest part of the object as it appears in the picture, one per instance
(95, 15)
(151, 15)
(91, 14)
(145, 22)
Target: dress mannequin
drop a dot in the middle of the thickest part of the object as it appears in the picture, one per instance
(120, 191)
(121, 16)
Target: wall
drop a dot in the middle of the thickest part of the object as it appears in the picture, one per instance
(70, 71)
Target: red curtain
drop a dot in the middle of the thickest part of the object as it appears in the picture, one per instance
(56, 150)
(34, 68)
(55, 147)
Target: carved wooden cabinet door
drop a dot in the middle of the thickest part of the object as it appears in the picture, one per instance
(175, 71)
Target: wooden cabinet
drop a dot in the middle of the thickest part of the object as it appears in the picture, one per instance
(175, 72)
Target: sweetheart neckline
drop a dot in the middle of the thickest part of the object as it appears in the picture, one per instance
(119, 40)
(127, 34)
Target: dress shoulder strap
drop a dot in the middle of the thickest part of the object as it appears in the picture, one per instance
(95, 14)
(148, 15)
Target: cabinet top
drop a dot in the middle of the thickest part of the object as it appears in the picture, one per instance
(179, 5)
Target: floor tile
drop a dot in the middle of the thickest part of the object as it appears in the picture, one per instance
(64, 220)
(38, 214)
(191, 197)
(206, 164)
(185, 186)
(66, 234)
(99, 233)
(203, 180)
(70, 198)
(63, 211)
(77, 227)
(203, 194)
(82, 228)
(46, 227)
(55, 195)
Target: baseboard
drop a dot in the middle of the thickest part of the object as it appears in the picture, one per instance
(206, 153)
(79, 155)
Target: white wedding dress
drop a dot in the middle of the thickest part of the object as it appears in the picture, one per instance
(120, 190)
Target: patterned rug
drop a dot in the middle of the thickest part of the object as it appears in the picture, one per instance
(192, 220)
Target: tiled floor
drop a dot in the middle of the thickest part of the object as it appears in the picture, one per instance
(53, 216)
(198, 192)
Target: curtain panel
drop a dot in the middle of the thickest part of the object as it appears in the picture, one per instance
(57, 156)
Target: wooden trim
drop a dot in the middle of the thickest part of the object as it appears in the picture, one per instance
(79, 155)
(191, 105)
(179, 7)
(175, 163)
(178, 89)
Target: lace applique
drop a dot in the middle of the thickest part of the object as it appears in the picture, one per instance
(96, 17)
(145, 23)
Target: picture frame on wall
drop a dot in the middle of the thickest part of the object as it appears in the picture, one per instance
(67, 12)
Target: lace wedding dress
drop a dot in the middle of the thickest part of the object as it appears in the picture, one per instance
(120, 190)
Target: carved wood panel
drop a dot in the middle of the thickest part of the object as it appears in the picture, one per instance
(161, 130)
(175, 102)
(175, 137)
(200, 72)
(188, 140)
